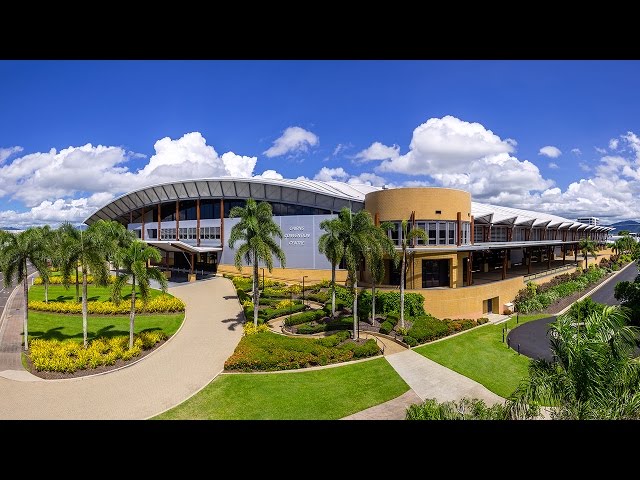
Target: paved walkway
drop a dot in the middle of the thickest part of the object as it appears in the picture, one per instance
(392, 410)
(165, 378)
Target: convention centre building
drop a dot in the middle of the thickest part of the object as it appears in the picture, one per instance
(473, 261)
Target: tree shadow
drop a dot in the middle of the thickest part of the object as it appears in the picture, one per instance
(234, 322)
(106, 331)
(230, 297)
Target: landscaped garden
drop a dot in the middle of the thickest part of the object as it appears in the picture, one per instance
(329, 394)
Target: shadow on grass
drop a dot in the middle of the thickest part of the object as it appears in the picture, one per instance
(108, 332)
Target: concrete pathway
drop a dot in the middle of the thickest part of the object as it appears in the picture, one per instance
(392, 410)
(163, 379)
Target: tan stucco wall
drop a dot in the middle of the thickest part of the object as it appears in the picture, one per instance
(293, 275)
(397, 203)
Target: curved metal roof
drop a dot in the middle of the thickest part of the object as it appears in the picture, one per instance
(312, 193)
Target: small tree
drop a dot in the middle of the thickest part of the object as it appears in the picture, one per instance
(257, 230)
(587, 246)
(409, 234)
(16, 252)
(386, 247)
(134, 261)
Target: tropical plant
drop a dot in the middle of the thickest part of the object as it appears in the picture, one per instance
(629, 294)
(376, 263)
(134, 261)
(116, 236)
(256, 229)
(331, 245)
(409, 234)
(84, 249)
(16, 252)
(587, 246)
(593, 374)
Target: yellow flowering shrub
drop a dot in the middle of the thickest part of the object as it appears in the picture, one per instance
(295, 289)
(159, 304)
(284, 304)
(57, 280)
(69, 356)
(249, 328)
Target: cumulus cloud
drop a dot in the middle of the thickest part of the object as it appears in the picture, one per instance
(293, 139)
(553, 165)
(576, 151)
(269, 174)
(7, 152)
(378, 151)
(600, 150)
(340, 175)
(328, 174)
(584, 167)
(613, 144)
(550, 151)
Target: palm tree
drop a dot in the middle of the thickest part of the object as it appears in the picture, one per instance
(117, 236)
(330, 244)
(406, 240)
(16, 252)
(376, 263)
(50, 249)
(358, 233)
(134, 261)
(587, 246)
(593, 374)
(86, 250)
(257, 230)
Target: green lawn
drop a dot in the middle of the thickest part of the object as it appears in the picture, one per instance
(94, 293)
(55, 326)
(480, 355)
(331, 393)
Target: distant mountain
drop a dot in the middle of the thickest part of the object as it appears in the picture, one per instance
(631, 225)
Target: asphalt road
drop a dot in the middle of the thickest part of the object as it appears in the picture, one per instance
(532, 336)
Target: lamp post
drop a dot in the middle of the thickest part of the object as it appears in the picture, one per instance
(303, 301)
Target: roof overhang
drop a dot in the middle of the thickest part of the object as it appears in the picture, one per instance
(178, 246)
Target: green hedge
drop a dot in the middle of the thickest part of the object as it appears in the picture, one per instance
(268, 351)
(337, 324)
(412, 342)
(320, 297)
(386, 327)
(387, 302)
(304, 317)
(427, 328)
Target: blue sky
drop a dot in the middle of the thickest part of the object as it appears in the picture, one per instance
(477, 125)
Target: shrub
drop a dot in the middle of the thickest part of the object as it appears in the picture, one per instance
(393, 318)
(409, 340)
(390, 302)
(69, 356)
(482, 320)
(250, 329)
(57, 280)
(304, 317)
(276, 292)
(337, 324)
(294, 289)
(426, 328)
(320, 297)
(159, 304)
(339, 306)
(271, 313)
(284, 304)
(366, 349)
(386, 327)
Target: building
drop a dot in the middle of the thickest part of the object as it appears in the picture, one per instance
(589, 220)
(475, 259)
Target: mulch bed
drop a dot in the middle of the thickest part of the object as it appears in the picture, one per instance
(566, 301)
(88, 371)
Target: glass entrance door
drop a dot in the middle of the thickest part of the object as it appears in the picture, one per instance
(435, 273)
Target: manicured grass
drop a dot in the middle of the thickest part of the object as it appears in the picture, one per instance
(331, 393)
(480, 355)
(55, 326)
(94, 293)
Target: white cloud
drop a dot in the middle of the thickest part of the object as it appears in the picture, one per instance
(340, 175)
(550, 151)
(7, 152)
(328, 174)
(446, 145)
(553, 165)
(341, 147)
(600, 150)
(378, 151)
(269, 174)
(367, 179)
(613, 144)
(584, 167)
(576, 151)
(293, 139)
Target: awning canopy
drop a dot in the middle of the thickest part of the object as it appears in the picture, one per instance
(178, 246)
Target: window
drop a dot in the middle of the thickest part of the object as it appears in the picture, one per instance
(394, 233)
(442, 233)
(432, 233)
(498, 233)
(466, 228)
(452, 233)
(477, 233)
(421, 226)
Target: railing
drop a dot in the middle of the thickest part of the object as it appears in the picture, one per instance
(544, 273)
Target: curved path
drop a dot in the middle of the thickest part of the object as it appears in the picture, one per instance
(532, 336)
(166, 377)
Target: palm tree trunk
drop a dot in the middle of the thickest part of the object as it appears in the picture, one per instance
(355, 307)
(77, 285)
(404, 254)
(333, 290)
(256, 297)
(25, 315)
(132, 314)
(373, 302)
(85, 306)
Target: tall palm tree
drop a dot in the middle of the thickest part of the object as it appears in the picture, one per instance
(134, 261)
(587, 246)
(409, 234)
(115, 234)
(257, 230)
(331, 245)
(85, 250)
(16, 252)
(49, 245)
(593, 374)
(376, 263)
(358, 233)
